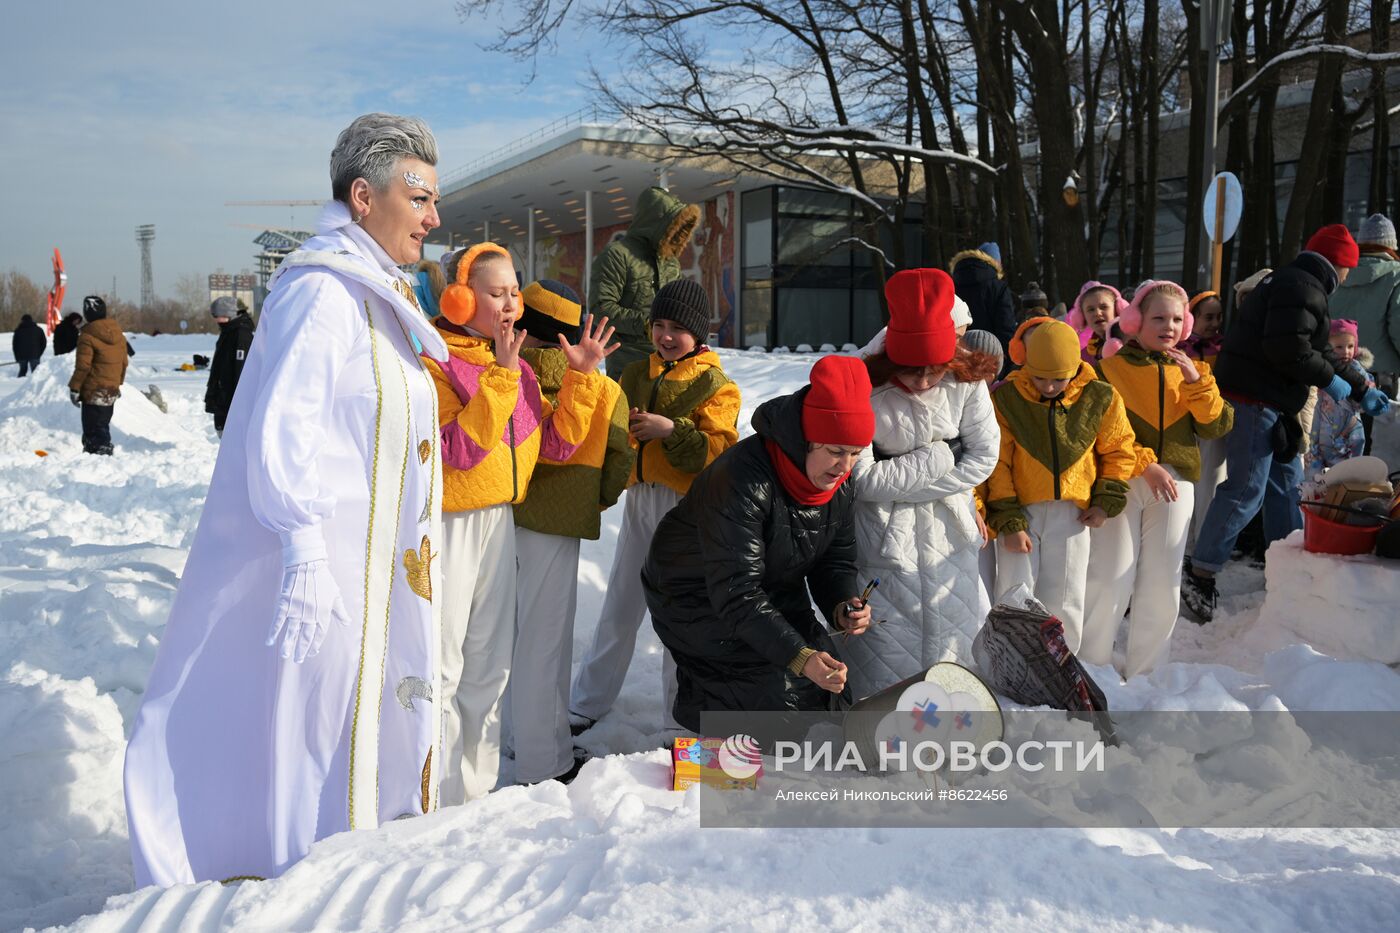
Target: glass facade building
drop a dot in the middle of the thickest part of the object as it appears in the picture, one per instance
(805, 279)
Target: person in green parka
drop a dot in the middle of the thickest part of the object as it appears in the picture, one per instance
(629, 273)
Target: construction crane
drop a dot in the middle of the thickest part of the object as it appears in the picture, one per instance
(53, 306)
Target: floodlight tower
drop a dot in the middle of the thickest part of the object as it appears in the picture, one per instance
(145, 235)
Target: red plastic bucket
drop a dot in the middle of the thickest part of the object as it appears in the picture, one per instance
(1324, 536)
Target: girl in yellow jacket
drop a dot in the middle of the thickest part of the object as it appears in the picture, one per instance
(1066, 458)
(494, 425)
(684, 413)
(1172, 400)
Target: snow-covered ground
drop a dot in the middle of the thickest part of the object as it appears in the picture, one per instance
(90, 555)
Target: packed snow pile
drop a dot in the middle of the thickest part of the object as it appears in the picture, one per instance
(1348, 607)
(91, 549)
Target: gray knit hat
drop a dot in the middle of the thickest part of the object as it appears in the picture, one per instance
(685, 302)
(224, 306)
(983, 341)
(1377, 230)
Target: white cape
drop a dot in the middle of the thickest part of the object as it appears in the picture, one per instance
(239, 760)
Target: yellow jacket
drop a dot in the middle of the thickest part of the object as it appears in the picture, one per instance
(1077, 447)
(702, 401)
(495, 424)
(1167, 413)
(567, 497)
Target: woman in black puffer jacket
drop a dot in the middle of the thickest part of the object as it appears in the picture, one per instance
(730, 568)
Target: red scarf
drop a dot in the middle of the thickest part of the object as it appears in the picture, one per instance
(795, 481)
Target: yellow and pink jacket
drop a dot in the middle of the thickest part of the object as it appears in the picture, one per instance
(495, 424)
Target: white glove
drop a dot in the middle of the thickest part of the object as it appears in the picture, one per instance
(309, 598)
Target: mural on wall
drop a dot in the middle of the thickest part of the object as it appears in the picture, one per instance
(709, 260)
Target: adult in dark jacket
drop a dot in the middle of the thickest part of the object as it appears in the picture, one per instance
(99, 369)
(977, 280)
(29, 345)
(230, 352)
(764, 532)
(628, 274)
(65, 335)
(1275, 348)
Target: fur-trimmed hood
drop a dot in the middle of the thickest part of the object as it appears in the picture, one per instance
(976, 254)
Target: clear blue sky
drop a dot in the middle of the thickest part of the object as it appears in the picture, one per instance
(119, 114)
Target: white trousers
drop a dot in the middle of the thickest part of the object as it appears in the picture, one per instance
(478, 636)
(987, 568)
(546, 597)
(1056, 569)
(1212, 475)
(601, 675)
(1137, 555)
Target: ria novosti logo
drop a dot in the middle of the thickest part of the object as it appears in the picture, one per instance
(740, 756)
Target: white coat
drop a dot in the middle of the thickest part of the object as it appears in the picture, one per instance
(238, 759)
(916, 529)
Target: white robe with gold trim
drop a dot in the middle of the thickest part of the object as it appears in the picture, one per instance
(239, 760)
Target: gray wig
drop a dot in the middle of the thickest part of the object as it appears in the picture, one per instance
(371, 146)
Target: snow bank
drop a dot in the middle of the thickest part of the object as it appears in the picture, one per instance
(1343, 606)
(90, 554)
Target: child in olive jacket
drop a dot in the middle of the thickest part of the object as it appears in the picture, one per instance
(684, 413)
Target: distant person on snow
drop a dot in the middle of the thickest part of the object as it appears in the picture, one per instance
(65, 335)
(98, 372)
(29, 345)
(231, 351)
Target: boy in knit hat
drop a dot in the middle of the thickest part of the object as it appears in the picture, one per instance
(1171, 401)
(1066, 458)
(564, 505)
(683, 414)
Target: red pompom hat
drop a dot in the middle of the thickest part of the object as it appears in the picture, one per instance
(1335, 243)
(837, 407)
(921, 318)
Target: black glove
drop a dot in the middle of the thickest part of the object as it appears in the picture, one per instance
(74, 397)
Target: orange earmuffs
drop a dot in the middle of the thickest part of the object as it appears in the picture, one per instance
(458, 302)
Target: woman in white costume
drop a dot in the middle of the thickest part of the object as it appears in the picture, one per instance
(292, 696)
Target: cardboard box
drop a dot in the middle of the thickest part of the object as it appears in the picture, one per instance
(1348, 494)
(697, 761)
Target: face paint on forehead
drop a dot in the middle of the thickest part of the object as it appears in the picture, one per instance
(414, 180)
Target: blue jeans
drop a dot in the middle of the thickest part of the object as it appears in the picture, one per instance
(1252, 477)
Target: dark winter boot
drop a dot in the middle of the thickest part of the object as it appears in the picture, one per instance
(1199, 596)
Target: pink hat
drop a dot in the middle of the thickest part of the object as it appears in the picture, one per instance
(1075, 318)
(1131, 319)
(1343, 326)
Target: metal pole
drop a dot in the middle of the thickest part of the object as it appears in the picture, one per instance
(1210, 46)
(530, 249)
(486, 231)
(587, 245)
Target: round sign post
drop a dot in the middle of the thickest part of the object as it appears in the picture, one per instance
(184, 326)
(1222, 209)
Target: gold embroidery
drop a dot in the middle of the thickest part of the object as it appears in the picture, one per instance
(427, 770)
(403, 288)
(369, 555)
(425, 450)
(418, 566)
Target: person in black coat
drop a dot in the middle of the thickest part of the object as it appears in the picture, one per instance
(29, 344)
(230, 353)
(1275, 348)
(977, 280)
(65, 335)
(765, 531)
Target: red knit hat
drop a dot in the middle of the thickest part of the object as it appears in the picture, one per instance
(1335, 243)
(837, 407)
(921, 318)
